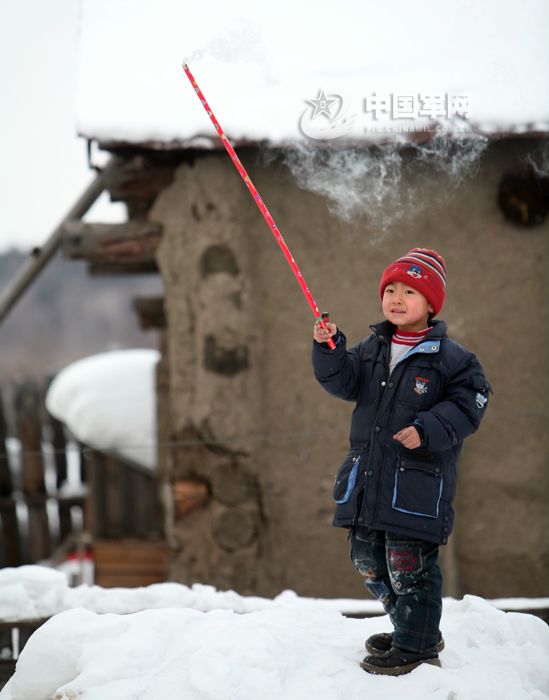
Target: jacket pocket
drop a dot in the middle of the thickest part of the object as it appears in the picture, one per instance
(347, 477)
(418, 487)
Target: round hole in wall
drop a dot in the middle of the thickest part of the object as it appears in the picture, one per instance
(523, 197)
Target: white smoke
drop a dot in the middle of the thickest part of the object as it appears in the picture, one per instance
(383, 182)
(241, 40)
(457, 159)
(539, 160)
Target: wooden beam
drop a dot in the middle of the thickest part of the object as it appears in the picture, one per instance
(150, 311)
(137, 181)
(114, 248)
(40, 257)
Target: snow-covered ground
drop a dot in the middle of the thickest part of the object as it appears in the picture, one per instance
(108, 402)
(192, 643)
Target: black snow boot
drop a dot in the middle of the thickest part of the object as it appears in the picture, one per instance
(380, 644)
(397, 662)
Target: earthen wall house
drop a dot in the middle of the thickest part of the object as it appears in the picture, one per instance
(249, 443)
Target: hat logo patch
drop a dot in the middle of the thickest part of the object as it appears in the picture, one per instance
(481, 400)
(421, 385)
(414, 271)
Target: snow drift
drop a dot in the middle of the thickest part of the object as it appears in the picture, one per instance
(297, 651)
(172, 641)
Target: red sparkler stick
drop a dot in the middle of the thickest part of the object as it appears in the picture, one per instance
(261, 205)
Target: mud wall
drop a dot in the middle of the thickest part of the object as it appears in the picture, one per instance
(252, 443)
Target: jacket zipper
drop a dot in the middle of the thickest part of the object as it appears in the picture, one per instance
(386, 379)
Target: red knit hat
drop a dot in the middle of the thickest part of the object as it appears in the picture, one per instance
(422, 269)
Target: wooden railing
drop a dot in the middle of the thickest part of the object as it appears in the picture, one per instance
(53, 488)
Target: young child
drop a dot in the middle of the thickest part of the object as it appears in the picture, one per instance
(418, 395)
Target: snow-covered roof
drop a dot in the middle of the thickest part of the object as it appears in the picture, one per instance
(108, 402)
(266, 68)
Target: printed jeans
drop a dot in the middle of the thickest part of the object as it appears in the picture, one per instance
(402, 572)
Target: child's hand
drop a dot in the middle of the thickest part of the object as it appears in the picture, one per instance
(322, 335)
(409, 437)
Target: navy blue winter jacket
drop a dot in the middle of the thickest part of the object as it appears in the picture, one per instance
(439, 387)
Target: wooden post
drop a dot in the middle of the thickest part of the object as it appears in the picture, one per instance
(6, 485)
(59, 445)
(150, 311)
(29, 430)
(113, 494)
(8, 514)
(57, 439)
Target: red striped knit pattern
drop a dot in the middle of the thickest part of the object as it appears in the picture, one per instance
(410, 339)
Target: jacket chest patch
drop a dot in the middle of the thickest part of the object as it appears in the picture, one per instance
(421, 386)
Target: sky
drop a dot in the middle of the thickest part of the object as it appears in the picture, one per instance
(44, 167)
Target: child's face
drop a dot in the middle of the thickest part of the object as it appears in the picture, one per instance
(405, 307)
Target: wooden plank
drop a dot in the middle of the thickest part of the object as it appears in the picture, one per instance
(57, 438)
(40, 542)
(29, 624)
(124, 500)
(64, 505)
(148, 566)
(150, 311)
(120, 561)
(147, 506)
(11, 553)
(11, 545)
(130, 550)
(87, 476)
(124, 580)
(96, 480)
(140, 494)
(29, 431)
(6, 484)
(130, 562)
(7, 669)
(112, 495)
(123, 268)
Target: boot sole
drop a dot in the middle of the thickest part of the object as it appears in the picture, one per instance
(372, 651)
(397, 670)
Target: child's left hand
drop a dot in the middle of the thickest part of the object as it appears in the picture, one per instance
(409, 437)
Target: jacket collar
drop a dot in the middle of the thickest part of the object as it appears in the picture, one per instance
(386, 329)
